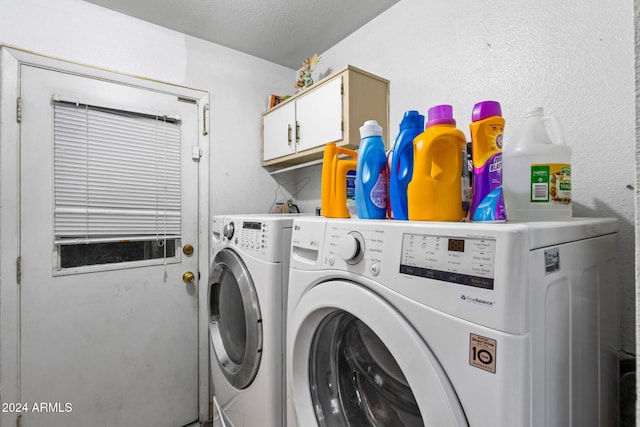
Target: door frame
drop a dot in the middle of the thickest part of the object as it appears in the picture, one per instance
(10, 61)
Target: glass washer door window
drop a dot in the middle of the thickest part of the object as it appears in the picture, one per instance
(235, 319)
(355, 360)
(349, 364)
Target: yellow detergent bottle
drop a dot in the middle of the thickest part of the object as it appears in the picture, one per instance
(435, 190)
(334, 180)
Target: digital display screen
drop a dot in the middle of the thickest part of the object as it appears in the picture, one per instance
(456, 245)
(252, 225)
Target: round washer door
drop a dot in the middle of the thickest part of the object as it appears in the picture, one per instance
(354, 360)
(235, 322)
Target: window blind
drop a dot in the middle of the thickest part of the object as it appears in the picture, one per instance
(116, 175)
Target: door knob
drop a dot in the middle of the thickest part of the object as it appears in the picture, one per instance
(188, 277)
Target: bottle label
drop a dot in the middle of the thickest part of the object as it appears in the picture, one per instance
(379, 193)
(551, 184)
(487, 201)
(351, 185)
(466, 181)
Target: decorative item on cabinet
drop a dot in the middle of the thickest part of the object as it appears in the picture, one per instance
(331, 110)
(304, 75)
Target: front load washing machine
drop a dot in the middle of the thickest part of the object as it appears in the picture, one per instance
(402, 323)
(248, 279)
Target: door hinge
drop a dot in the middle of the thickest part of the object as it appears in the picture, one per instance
(341, 88)
(19, 269)
(19, 110)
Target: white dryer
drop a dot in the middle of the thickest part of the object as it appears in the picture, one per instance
(402, 323)
(247, 291)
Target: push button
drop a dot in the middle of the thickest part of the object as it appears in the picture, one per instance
(374, 269)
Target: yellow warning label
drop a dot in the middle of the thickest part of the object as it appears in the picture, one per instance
(482, 352)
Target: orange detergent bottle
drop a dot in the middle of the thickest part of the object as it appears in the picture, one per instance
(435, 190)
(334, 180)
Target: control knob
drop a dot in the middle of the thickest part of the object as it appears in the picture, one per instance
(351, 247)
(228, 230)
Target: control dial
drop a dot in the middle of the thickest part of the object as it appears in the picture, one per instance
(351, 247)
(228, 230)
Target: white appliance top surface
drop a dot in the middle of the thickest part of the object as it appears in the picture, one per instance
(287, 218)
(550, 233)
(540, 234)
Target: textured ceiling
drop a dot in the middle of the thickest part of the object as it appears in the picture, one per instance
(280, 31)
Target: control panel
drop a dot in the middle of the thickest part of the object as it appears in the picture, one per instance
(249, 235)
(465, 261)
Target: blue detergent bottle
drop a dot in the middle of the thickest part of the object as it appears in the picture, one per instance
(401, 167)
(371, 173)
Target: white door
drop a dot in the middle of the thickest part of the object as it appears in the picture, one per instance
(352, 359)
(108, 329)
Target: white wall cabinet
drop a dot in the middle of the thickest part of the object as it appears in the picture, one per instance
(332, 110)
(278, 130)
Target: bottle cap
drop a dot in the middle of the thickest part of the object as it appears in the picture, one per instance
(370, 128)
(412, 119)
(440, 115)
(485, 109)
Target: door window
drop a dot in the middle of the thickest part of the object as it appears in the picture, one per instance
(355, 380)
(235, 318)
(228, 312)
(116, 185)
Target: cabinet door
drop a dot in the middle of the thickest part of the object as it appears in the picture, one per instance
(279, 132)
(319, 115)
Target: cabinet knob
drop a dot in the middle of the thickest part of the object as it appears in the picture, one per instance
(289, 134)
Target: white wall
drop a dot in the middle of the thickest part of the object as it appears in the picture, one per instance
(238, 84)
(574, 58)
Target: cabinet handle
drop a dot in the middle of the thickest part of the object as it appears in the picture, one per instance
(289, 134)
(297, 132)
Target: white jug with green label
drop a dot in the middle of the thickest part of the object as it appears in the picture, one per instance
(536, 171)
